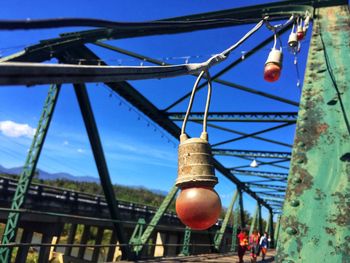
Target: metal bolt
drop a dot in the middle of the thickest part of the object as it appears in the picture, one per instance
(300, 160)
(301, 144)
(295, 203)
(291, 231)
(297, 180)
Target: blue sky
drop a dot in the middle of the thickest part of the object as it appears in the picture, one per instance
(137, 151)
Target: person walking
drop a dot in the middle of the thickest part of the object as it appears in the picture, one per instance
(254, 244)
(263, 245)
(242, 244)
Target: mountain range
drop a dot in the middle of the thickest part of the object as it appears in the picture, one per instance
(54, 176)
(50, 176)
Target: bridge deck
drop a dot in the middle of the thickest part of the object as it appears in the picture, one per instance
(217, 258)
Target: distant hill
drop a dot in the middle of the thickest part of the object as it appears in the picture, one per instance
(46, 176)
(50, 176)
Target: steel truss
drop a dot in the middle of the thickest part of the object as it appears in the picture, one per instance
(69, 48)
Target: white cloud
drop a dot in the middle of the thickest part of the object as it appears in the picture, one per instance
(80, 150)
(65, 143)
(13, 129)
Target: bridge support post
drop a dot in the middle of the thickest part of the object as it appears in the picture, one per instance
(45, 251)
(99, 237)
(95, 142)
(70, 239)
(316, 212)
(140, 238)
(220, 233)
(255, 219)
(84, 239)
(271, 230)
(235, 226)
(186, 243)
(259, 221)
(23, 251)
(27, 173)
(241, 208)
(277, 230)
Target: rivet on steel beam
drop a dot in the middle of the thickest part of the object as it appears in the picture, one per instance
(291, 231)
(297, 180)
(300, 160)
(302, 129)
(301, 144)
(295, 203)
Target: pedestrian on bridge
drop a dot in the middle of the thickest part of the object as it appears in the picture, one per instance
(242, 244)
(263, 245)
(254, 244)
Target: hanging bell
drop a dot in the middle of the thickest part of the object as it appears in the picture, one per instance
(195, 164)
(300, 33)
(198, 205)
(293, 40)
(306, 24)
(273, 65)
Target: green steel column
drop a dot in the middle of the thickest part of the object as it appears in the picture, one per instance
(138, 242)
(271, 230)
(241, 208)
(255, 219)
(220, 233)
(267, 227)
(97, 150)
(235, 227)
(259, 221)
(278, 226)
(315, 224)
(186, 244)
(28, 172)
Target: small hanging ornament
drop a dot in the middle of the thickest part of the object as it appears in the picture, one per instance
(198, 205)
(254, 164)
(273, 65)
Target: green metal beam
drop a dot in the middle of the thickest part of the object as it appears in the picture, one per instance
(280, 10)
(27, 173)
(260, 174)
(139, 241)
(278, 226)
(220, 232)
(251, 153)
(235, 217)
(255, 219)
(185, 251)
(101, 164)
(290, 117)
(316, 214)
(252, 134)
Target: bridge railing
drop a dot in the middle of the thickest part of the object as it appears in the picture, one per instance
(8, 185)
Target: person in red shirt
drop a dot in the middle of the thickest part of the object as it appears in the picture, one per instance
(254, 240)
(242, 244)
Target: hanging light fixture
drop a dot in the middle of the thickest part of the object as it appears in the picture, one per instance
(198, 205)
(254, 164)
(273, 64)
(300, 30)
(293, 39)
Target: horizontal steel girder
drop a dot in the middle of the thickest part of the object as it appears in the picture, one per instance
(255, 154)
(230, 17)
(260, 174)
(17, 73)
(268, 186)
(290, 117)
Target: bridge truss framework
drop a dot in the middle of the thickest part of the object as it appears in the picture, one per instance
(322, 128)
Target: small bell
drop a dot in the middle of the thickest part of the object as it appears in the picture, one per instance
(300, 33)
(293, 40)
(273, 65)
(198, 205)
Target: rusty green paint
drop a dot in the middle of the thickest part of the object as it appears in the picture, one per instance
(315, 226)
